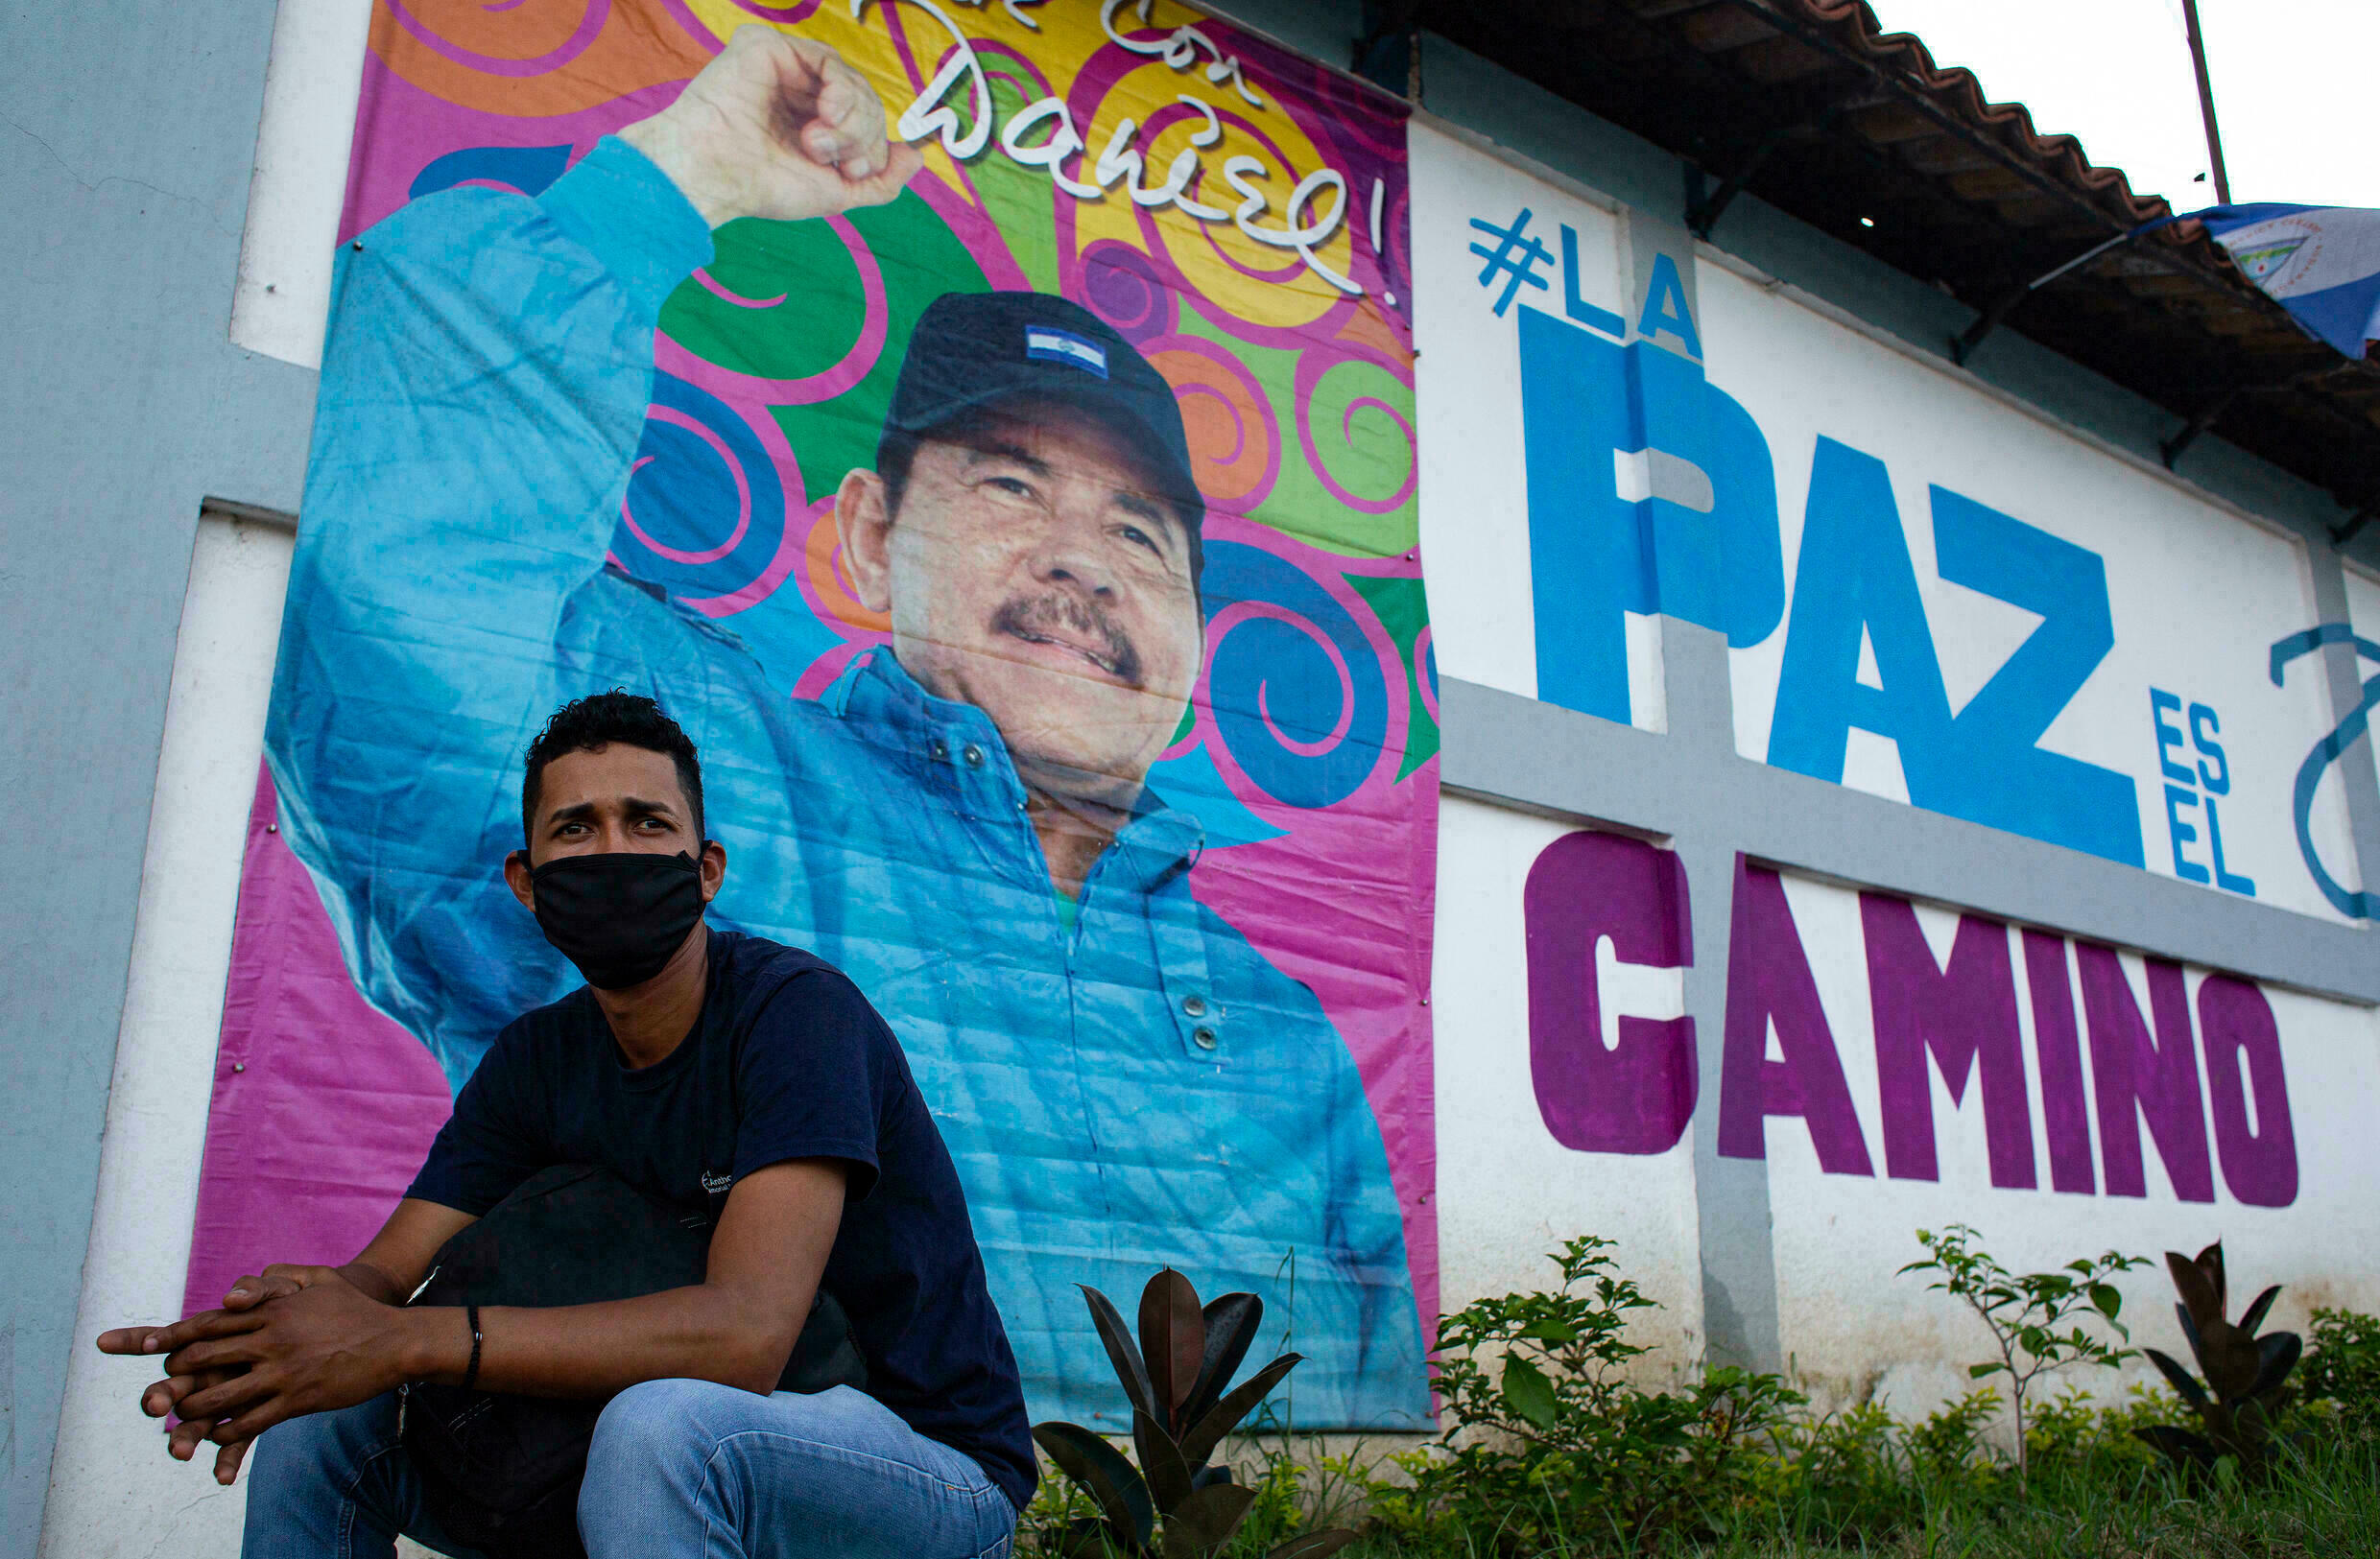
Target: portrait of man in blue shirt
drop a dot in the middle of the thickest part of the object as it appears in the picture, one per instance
(962, 821)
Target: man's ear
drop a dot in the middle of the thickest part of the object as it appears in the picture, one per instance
(516, 878)
(713, 866)
(865, 527)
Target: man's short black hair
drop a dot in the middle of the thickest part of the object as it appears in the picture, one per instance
(598, 720)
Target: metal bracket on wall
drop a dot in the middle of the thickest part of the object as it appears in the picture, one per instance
(2172, 448)
(1388, 52)
(2213, 411)
(1703, 211)
(1963, 346)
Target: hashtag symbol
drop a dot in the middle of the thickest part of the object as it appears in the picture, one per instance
(1515, 257)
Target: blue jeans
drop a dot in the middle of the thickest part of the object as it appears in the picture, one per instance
(678, 1470)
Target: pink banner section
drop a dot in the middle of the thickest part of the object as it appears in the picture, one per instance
(1366, 956)
(322, 1107)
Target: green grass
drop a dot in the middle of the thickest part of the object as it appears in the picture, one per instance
(2326, 1503)
(2321, 1501)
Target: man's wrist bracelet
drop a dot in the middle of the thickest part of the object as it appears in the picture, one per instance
(470, 1375)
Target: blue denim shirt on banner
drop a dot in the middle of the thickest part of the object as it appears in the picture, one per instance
(483, 395)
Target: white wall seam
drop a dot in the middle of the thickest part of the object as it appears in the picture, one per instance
(113, 1491)
(282, 300)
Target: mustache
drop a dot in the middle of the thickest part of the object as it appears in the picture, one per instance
(1063, 617)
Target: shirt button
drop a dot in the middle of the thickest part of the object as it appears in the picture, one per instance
(974, 756)
(941, 751)
(1193, 1007)
(1202, 1037)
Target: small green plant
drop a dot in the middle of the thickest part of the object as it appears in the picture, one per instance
(2343, 1368)
(1844, 1471)
(1548, 1444)
(1174, 1380)
(2246, 1375)
(2077, 1432)
(2036, 1318)
(1950, 1442)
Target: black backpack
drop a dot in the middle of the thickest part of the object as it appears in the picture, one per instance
(501, 1473)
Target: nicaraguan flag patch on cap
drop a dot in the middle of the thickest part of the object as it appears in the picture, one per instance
(1052, 345)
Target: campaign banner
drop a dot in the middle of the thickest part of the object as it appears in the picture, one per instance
(1928, 591)
(1141, 248)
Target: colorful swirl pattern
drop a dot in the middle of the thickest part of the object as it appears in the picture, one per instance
(707, 515)
(1305, 712)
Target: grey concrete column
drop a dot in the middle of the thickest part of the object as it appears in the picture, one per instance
(1730, 1194)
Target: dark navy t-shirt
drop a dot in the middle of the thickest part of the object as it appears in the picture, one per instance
(786, 1061)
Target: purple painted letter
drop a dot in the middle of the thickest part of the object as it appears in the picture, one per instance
(2057, 1046)
(2259, 1162)
(1769, 977)
(2137, 1076)
(1638, 1097)
(1965, 1014)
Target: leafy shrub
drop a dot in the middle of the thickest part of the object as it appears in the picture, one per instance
(1547, 1443)
(2344, 1369)
(2024, 1312)
(1835, 1477)
(2074, 1432)
(1949, 1443)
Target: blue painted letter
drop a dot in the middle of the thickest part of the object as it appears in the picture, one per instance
(1854, 574)
(2003, 778)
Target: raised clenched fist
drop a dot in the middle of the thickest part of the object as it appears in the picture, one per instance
(776, 126)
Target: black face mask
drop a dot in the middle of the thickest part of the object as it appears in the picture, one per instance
(618, 917)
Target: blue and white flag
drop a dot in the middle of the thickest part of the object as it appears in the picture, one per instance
(2323, 263)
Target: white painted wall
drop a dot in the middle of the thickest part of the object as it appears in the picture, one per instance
(2197, 594)
(2198, 591)
(113, 1491)
(1466, 388)
(1852, 1327)
(1474, 492)
(1507, 1192)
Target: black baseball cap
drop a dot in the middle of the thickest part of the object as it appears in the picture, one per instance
(972, 351)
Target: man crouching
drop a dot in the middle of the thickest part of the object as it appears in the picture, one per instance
(694, 1060)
